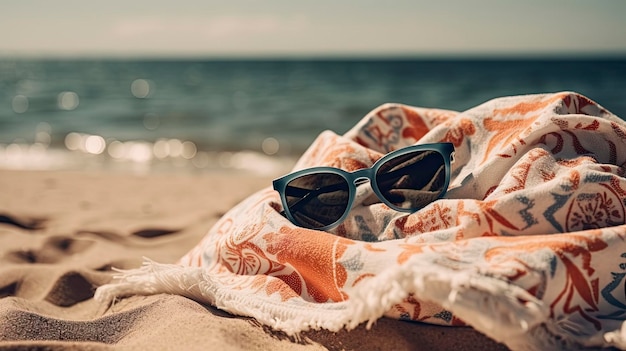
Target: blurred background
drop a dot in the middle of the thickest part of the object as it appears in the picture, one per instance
(205, 85)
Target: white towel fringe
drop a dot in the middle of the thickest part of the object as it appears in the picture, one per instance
(617, 338)
(503, 312)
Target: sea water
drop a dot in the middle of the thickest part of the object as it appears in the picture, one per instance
(256, 115)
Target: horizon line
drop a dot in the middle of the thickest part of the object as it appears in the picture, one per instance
(530, 55)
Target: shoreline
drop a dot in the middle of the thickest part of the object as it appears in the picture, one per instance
(139, 158)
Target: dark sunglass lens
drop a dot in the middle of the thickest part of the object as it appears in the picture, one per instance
(317, 200)
(413, 180)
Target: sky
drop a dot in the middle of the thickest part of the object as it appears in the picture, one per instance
(207, 28)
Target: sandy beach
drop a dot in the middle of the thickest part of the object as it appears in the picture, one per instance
(61, 232)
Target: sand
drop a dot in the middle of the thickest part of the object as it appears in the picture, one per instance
(61, 232)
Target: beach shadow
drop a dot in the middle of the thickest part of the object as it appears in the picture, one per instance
(23, 223)
(140, 237)
(154, 232)
(20, 256)
(275, 334)
(8, 290)
(282, 336)
(217, 312)
(118, 264)
(55, 249)
(391, 334)
(70, 289)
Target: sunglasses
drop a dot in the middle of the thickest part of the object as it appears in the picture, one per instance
(405, 180)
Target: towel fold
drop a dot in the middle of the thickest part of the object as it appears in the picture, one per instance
(528, 245)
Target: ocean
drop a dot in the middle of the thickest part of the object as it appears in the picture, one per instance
(253, 115)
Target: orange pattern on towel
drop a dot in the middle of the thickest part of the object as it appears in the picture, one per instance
(536, 203)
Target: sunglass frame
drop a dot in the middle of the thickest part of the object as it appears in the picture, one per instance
(280, 184)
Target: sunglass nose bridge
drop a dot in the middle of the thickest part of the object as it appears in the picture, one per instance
(361, 180)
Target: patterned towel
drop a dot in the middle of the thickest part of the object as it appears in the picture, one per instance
(527, 246)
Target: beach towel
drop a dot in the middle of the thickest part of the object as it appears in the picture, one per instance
(527, 246)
